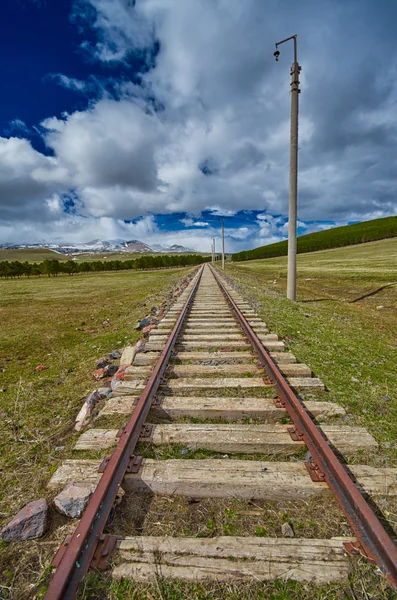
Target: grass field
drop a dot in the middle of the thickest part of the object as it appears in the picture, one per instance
(337, 327)
(344, 325)
(61, 323)
(31, 255)
(334, 237)
(40, 254)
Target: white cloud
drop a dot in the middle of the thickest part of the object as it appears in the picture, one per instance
(73, 228)
(219, 137)
(54, 204)
(222, 212)
(188, 222)
(70, 83)
(27, 179)
(111, 144)
(120, 26)
(239, 233)
(19, 125)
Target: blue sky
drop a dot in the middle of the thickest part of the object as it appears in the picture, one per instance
(155, 119)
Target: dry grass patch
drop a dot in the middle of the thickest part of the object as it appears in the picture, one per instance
(147, 514)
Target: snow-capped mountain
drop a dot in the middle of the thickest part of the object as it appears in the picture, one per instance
(173, 248)
(136, 246)
(101, 246)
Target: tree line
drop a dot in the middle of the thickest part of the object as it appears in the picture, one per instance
(368, 231)
(54, 267)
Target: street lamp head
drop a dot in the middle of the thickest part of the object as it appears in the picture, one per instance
(277, 54)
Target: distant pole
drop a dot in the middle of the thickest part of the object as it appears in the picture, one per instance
(223, 245)
(213, 251)
(293, 173)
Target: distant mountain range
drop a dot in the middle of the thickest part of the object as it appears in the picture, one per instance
(101, 246)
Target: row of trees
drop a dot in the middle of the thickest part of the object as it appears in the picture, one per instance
(369, 231)
(54, 267)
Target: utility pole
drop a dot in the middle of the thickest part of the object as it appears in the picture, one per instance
(213, 250)
(223, 245)
(293, 173)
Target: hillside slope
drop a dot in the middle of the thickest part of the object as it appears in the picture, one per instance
(348, 235)
(30, 254)
(364, 273)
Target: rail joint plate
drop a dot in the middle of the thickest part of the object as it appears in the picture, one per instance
(134, 464)
(147, 430)
(157, 400)
(296, 435)
(278, 402)
(105, 546)
(315, 472)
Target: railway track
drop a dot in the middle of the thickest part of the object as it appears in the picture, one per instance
(213, 377)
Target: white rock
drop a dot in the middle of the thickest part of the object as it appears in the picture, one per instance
(287, 530)
(73, 499)
(82, 417)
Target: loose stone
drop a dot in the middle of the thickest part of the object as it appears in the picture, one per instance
(73, 499)
(101, 363)
(29, 523)
(287, 530)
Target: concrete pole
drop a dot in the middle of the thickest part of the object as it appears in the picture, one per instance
(293, 184)
(293, 172)
(223, 245)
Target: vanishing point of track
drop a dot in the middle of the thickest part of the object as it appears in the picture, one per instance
(211, 321)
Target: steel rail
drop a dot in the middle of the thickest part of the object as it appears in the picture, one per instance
(374, 542)
(80, 550)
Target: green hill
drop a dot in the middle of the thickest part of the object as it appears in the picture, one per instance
(30, 254)
(368, 231)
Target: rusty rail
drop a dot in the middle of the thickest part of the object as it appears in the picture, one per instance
(83, 544)
(373, 541)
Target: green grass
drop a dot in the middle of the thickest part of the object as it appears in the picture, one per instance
(338, 338)
(358, 233)
(106, 256)
(343, 325)
(61, 323)
(31, 255)
(364, 585)
(40, 254)
(183, 452)
(66, 324)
